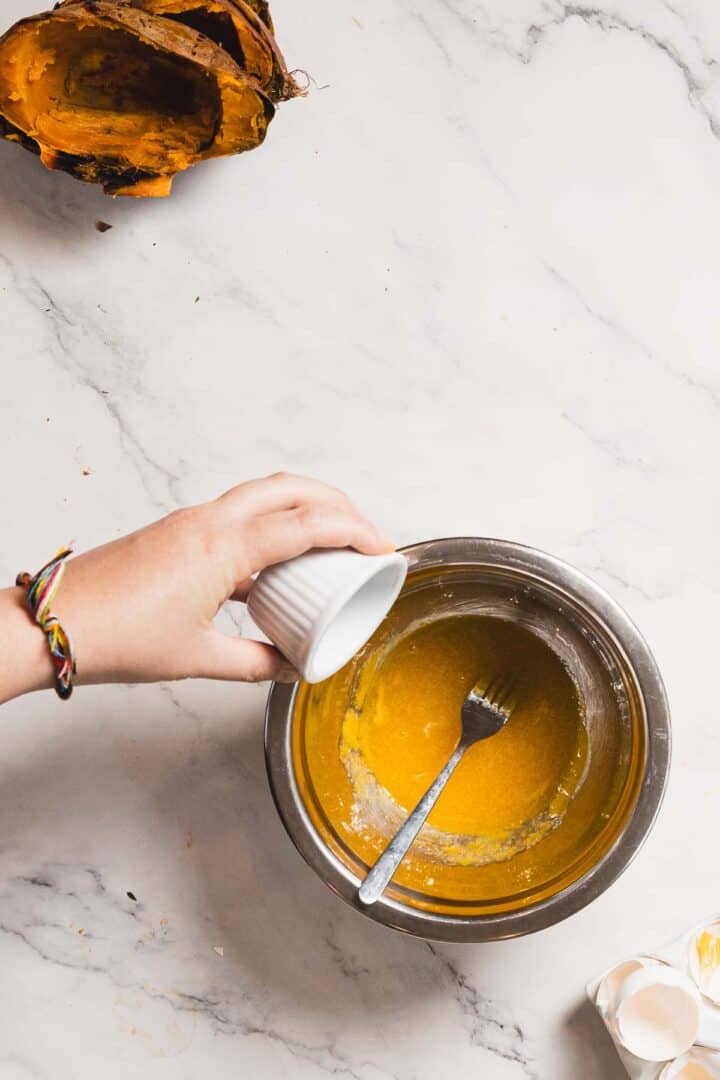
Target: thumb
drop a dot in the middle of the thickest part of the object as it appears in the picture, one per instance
(244, 660)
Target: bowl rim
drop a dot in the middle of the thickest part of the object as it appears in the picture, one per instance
(491, 552)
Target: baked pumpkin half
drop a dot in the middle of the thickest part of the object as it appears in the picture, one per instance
(128, 93)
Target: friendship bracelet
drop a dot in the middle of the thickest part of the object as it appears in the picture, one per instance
(41, 591)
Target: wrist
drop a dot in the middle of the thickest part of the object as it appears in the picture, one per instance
(25, 662)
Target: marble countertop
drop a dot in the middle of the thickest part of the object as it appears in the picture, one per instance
(473, 279)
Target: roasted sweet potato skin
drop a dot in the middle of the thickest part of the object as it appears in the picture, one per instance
(127, 93)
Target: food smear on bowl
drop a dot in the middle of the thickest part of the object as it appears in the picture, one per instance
(404, 721)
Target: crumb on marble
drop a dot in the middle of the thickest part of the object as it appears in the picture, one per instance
(219, 949)
(102, 226)
(189, 841)
(164, 922)
(87, 471)
(81, 930)
(131, 896)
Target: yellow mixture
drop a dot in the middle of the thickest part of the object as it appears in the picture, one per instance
(404, 722)
(527, 811)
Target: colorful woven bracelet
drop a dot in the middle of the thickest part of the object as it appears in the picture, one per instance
(41, 591)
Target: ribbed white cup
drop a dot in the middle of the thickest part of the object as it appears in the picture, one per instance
(321, 607)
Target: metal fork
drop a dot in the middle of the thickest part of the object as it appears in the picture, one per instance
(484, 713)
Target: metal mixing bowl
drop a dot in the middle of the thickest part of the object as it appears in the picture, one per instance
(593, 635)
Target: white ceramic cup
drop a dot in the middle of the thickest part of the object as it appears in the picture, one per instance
(657, 1013)
(321, 607)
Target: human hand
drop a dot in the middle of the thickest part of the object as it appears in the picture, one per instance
(141, 608)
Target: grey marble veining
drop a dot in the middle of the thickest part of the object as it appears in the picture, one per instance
(472, 278)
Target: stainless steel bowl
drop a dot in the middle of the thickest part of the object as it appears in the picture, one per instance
(606, 631)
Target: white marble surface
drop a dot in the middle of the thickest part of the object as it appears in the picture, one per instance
(473, 278)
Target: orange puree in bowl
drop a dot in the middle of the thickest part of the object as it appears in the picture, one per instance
(528, 811)
(403, 724)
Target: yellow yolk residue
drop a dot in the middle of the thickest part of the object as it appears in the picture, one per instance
(404, 721)
(708, 948)
(706, 970)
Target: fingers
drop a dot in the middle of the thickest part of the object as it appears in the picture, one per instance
(276, 537)
(242, 589)
(242, 660)
(281, 491)
(283, 515)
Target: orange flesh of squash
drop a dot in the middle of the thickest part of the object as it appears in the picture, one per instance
(129, 94)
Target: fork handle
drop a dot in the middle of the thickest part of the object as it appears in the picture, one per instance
(382, 872)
